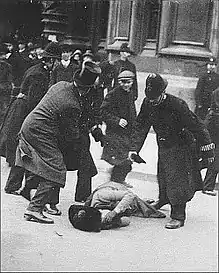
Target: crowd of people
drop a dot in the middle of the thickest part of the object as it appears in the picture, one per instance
(54, 97)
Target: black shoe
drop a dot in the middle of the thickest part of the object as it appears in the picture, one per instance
(80, 200)
(52, 209)
(212, 193)
(158, 204)
(173, 224)
(12, 192)
(37, 217)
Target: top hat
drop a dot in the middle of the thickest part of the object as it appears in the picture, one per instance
(87, 75)
(212, 60)
(155, 86)
(3, 49)
(85, 218)
(52, 50)
(126, 74)
(125, 48)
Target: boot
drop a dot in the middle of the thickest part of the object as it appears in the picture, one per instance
(37, 217)
(52, 209)
(173, 224)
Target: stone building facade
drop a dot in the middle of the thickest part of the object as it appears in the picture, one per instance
(172, 37)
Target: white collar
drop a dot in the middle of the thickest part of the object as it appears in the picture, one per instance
(65, 63)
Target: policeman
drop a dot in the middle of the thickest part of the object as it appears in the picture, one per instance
(207, 83)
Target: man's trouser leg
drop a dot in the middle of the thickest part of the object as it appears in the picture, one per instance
(178, 212)
(42, 195)
(83, 187)
(210, 178)
(15, 178)
(54, 197)
(119, 172)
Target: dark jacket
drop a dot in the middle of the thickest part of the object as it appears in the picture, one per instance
(34, 87)
(61, 73)
(5, 88)
(207, 83)
(18, 68)
(212, 123)
(52, 126)
(177, 131)
(120, 66)
(116, 105)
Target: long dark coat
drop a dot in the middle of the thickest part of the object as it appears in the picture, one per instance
(178, 170)
(212, 123)
(207, 83)
(61, 73)
(18, 68)
(34, 87)
(51, 127)
(120, 66)
(116, 105)
(5, 87)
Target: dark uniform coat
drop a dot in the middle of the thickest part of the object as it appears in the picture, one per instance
(205, 86)
(51, 127)
(34, 87)
(116, 105)
(5, 87)
(176, 129)
(212, 123)
(120, 66)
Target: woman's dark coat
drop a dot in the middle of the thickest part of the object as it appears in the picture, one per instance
(176, 129)
(50, 137)
(118, 104)
(34, 87)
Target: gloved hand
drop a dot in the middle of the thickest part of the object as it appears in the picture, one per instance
(98, 135)
(136, 158)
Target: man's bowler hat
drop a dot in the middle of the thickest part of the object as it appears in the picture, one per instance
(155, 86)
(125, 48)
(52, 50)
(87, 75)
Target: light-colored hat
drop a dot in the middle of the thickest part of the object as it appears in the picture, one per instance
(126, 74)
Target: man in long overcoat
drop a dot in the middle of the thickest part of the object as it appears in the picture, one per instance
(212, 123)
(176, 129)
(51, 139)
(33, 88)
(124, 64)
(118, 112)
(207, 83)
(5, 82)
